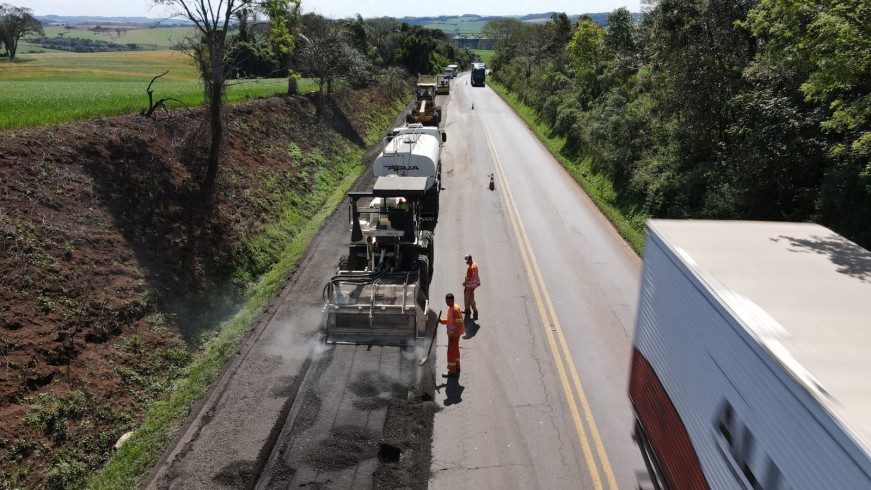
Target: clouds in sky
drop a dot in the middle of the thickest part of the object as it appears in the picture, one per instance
(344, 8)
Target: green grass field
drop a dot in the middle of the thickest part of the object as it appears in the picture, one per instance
(49, 88)
(484, 54)
(153, 38)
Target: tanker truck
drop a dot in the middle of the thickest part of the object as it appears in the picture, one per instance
(379, 294)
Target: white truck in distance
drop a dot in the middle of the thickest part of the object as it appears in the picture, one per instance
(751, 366)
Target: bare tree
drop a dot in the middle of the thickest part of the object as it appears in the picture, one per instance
(16, 23)
(211, 53)
(160, 104)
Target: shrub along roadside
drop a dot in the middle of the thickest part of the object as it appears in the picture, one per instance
(137, 456)
(624, 216)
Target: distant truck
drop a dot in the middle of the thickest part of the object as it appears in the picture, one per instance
(450, 71)
(479, 73)
(751, 365)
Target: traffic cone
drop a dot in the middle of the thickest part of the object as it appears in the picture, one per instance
(492, 183)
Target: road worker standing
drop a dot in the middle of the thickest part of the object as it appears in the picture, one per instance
(473, 280)
(454, 322)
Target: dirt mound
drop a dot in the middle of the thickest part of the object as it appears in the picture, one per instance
(114, 268)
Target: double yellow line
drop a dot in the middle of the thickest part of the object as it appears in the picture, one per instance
(554, 331)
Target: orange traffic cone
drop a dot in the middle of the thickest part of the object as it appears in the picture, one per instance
(492, 186)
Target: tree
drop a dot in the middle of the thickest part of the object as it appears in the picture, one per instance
(211, 53)
(325, 55)
(15, 24)
(500, 30)
(816, 53)
(826, 46)
(283, 19)
(358, 34)
(559, 33)
(620, 34)
(586, 51)
(384, 35)
(416, 49)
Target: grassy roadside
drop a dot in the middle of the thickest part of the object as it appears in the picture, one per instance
(137, 457)
(630, 225)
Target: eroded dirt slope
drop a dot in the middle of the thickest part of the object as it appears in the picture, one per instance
(114, 267)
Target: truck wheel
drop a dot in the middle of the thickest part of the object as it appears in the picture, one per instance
(427, 245)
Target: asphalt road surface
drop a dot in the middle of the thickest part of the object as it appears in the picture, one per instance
(541, 401)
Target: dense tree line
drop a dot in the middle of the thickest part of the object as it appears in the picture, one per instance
(78, 45)
(356, 48)
(725, 109)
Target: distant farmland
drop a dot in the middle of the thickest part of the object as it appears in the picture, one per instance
(59, 87)
(145, 37)
(465, 25)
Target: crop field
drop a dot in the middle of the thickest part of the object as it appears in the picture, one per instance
(149, 38)
(50, 88)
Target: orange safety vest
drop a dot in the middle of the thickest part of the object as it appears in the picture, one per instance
(472, 279)
(455, 322)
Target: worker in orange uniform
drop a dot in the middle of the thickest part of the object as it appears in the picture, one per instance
(473, 280)
(454, 322)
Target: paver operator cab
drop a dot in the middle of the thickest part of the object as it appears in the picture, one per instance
(379, 294)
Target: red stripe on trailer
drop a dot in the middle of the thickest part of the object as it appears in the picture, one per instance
(668, 437)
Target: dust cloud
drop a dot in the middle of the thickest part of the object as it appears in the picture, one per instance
(299, 337)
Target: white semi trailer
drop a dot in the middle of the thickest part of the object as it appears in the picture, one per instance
(752, 357)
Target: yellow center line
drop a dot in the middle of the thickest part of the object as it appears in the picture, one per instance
(540, 291)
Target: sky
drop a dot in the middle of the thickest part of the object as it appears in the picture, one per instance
(343, 8)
